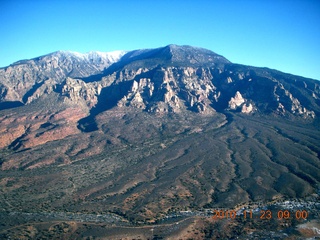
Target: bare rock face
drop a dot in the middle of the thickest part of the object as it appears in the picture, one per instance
(236, 101)
(170, 79)
(150, 133)
(77, 91)
(173, 79)
(247, 108)
(138, 89)
(20, 80)
(171, 89)
(292, 104)
(239, 102)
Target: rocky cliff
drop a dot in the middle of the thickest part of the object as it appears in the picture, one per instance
(150, 133)
(171, 79)
(27, 80)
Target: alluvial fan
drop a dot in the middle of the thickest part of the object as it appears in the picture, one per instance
(141, 136)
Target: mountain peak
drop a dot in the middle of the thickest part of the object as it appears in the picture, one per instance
(194, 55)
(178, 55)
(104, 135)
(170, 78)
(112, 56)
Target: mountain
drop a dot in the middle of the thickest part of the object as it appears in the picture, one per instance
(182, 77)
(148, 133)
(20, 80)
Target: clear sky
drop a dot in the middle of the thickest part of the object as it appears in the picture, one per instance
(279, 34)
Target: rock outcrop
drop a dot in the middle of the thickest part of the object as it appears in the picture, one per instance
(22, 79)
(172, 79)
(236, 101)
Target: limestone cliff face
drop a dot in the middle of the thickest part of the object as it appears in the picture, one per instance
(22, 79)
(63, 94)
(170, 79)
(209, 89)
(77, 91)
(236, 101)
(171, 89)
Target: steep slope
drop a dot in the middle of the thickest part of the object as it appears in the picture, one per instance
(181, 78)
(28, 79)
(171, 78)
(149, 132)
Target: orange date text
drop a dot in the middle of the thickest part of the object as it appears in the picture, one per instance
(263, 214)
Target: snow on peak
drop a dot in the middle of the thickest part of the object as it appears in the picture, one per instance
(112, 57)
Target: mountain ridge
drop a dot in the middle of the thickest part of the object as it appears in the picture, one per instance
(97, 71)
(148, 134)
(171, 79)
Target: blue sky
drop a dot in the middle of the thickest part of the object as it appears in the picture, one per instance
(279, 34)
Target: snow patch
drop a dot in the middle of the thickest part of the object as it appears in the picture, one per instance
(112, 57)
